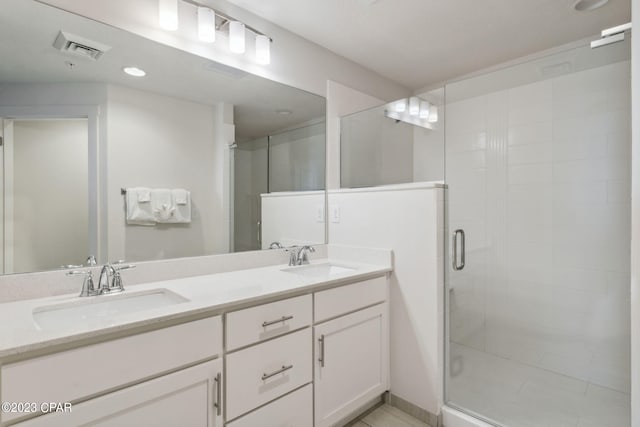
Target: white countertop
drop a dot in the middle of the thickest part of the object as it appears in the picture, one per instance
(213, 293)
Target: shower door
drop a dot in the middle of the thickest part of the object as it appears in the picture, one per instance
(538, 173)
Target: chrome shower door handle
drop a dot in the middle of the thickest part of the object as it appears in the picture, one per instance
(458, 266)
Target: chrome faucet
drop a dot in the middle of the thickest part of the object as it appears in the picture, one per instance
(303, 254)
(299, 255)
(110, 280)
(109, 271)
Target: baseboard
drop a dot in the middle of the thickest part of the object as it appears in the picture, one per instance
(413, 410)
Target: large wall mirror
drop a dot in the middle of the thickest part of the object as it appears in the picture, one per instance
(195, 158)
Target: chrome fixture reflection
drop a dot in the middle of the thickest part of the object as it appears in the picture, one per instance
(209, 21)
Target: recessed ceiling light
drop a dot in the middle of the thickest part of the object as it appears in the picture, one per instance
(586, 5)
(283, 112)
(134, 71)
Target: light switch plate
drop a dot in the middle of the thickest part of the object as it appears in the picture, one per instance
(335, 213)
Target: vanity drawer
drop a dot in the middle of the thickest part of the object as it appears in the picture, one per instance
(345, 299)
(72, 375)
(252, 379)
(265, 321)
(294, 410)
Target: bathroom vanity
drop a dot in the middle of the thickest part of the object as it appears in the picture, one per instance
(264, 346)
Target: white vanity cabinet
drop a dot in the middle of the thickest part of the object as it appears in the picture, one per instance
(351, 350)
(132, 377)
(269, 368)
(190, 397)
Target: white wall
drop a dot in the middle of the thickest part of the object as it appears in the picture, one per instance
(539, 179)
(50, 194)
(161, 142)
(635, 221)
(409, 219)
(293, 218)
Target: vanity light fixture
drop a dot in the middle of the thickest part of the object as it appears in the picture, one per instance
(263, 49)
(236, 37)
(206, 25)
(168, 14)
(134, 71)
(210, 21)
(414, 106)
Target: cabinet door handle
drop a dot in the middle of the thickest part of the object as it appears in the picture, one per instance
(273, 322)
(321, 358)
(279, 371)
(218, 402)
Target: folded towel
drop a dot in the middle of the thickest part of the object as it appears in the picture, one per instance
(138, 211)
(162, 205)
(180, 196)
(182, 203)
(144, 194)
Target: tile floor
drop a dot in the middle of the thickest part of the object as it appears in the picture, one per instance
(518, 395)
(387, 416)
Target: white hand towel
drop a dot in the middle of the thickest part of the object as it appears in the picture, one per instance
(138, 211)
(144, 194)
(182, 201)
(162, 205)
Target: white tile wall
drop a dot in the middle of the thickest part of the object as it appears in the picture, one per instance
(539, 178)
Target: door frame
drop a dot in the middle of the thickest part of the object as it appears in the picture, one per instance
(97, 228)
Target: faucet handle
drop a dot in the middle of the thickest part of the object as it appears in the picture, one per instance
(118, 267)
(87, 284)
(117, 279)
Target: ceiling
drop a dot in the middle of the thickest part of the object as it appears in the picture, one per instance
(29, 57)
(422, 42)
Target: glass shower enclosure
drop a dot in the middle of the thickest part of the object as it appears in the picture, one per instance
(538, 173)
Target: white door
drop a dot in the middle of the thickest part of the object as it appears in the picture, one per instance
(188, 398)
(351, 363)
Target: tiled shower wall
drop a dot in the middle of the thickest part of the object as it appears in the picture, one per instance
(539, 178)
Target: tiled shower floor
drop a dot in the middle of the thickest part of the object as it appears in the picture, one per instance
(519, 395)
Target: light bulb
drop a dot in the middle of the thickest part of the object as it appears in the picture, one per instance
(206, 25)
(424, 110)
(263, 49)
(168, 14)
(236, 37)
(433, 114)
(414, 106)
(401, 106)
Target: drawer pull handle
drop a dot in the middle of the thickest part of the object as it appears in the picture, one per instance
(273, 322)
(321, 358)
(218, 402)
(279, 371)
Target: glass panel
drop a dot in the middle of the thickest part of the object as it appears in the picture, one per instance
(382, 146)
(250, 181)
(297, 159)
(538, 173)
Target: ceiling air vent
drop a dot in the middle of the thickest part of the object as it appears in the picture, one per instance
(79, 46)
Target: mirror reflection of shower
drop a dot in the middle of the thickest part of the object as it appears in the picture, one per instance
(288, 167)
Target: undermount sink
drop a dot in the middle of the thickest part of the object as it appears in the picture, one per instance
(101, 310)
(320, 271)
